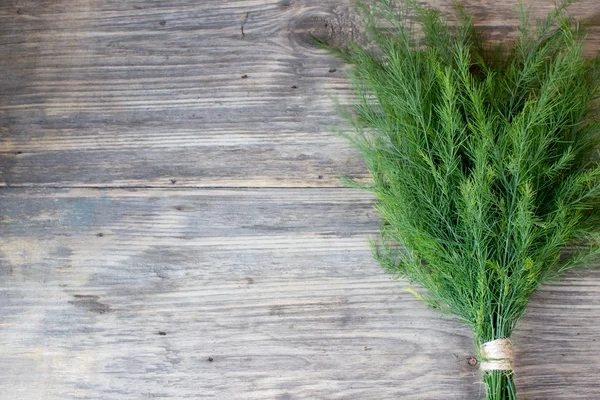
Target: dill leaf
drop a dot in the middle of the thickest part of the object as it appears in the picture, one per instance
(483, 158)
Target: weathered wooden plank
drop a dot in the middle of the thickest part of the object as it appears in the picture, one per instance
(113, 294)
(143, 93)
(555, 338)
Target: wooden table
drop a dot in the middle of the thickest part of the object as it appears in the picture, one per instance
(173, 226)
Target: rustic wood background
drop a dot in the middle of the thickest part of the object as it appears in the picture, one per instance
(172, 226)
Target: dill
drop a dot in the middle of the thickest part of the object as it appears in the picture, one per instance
(483, 158)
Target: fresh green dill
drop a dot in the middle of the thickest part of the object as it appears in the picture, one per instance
(483, 158)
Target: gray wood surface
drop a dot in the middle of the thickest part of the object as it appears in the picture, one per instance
(172, 226)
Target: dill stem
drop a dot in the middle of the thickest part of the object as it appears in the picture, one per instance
(499, 385)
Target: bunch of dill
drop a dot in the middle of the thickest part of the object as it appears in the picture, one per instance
(483, 158)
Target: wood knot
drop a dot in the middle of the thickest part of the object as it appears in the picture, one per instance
(337, 26)
(318, 26)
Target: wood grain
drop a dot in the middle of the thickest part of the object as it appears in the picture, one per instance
(277, 287)
(172, 226)
(115, 294)
(141, 93)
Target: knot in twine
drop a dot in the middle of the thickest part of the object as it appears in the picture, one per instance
(497, 355)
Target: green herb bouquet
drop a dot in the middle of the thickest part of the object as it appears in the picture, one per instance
(483, 161)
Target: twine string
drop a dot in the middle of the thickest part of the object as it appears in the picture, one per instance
(497, 355)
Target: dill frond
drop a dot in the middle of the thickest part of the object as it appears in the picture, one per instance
(483, 158)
